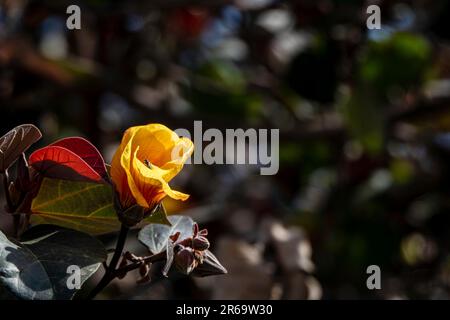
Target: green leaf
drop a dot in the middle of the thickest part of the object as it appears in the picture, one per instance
(57, 248)
(401, 60)
(37, 268)
(155, 236)
(83, 206)
(21, 274)
(356, 110)
(159, 215)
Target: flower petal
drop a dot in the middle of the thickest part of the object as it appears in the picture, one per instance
(156, 143)
(126, 161)
(180, 153)
(119, 176)
(153, 178)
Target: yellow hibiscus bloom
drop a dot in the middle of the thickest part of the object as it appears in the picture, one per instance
(147, 159)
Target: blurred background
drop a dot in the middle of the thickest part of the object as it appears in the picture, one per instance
(364, 119)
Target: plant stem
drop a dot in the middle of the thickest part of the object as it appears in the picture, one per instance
(9, 202)
(110, 272)
(135, 265)
(119, 247)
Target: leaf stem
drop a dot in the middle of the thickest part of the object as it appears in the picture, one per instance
(6, 188)
(9, 203)
(110, 272)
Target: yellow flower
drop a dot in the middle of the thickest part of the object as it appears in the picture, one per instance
(146, 160)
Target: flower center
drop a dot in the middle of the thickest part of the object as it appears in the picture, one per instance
(147, 163)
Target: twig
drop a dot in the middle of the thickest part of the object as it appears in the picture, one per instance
(135, 265)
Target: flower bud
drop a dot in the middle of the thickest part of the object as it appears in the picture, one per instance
(200, 243)
(210, 266)
(185, 260)
(144, 271)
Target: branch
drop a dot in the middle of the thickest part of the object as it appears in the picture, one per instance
(135, 265)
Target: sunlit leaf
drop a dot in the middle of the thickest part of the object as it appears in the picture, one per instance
(155, 236)
(170, 255)
(83, 206)
(15, 142)
(61, 163)
(86, 151)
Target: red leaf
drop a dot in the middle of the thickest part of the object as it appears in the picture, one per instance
(61, 163)
(86, 151)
